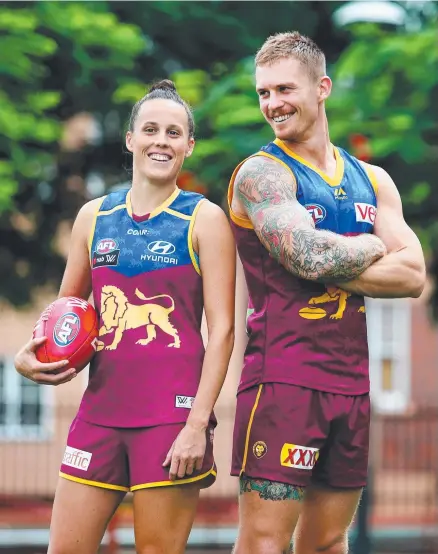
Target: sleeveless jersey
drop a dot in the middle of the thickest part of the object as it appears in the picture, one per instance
(302, 332)
(147, 291)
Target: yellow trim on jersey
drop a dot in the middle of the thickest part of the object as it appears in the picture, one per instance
(332, 181)
(238, 220)
(190, 238)
(93, 483)
(372, 177)
(248, 430)
(93, 226)
(177, 482)
(177, 214)
(157, 210)
(112, 210)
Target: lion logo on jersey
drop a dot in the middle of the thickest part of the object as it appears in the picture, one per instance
(333, 294)
(118, 315)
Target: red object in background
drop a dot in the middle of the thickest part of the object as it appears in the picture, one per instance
(360, 147)
(188, 181)
(71, 327)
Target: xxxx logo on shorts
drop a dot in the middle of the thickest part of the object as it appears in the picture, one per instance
(301, 457)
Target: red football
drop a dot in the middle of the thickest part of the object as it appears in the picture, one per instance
(71, 327)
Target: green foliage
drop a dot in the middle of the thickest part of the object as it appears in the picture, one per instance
(30, 39)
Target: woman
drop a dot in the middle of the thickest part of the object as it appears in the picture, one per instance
(154, 257)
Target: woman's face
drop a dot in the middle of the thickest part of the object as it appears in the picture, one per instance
(160, 140)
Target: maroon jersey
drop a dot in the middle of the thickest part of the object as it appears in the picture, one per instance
(147, 290)
(302, 332)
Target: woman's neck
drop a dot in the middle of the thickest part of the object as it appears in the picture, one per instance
(147, 197)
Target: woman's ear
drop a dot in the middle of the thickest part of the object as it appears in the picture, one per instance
(129, 141)
(190, 147)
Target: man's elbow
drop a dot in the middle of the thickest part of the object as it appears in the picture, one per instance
(418, 282)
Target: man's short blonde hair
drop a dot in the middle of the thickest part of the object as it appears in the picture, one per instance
(293, 45)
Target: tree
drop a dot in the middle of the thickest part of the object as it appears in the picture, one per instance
(75, 68)
(57, 59)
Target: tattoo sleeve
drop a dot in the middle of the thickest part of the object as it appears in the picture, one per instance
(267, 191)
(271, 490)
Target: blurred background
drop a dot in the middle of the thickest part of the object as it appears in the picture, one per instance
(69, 75)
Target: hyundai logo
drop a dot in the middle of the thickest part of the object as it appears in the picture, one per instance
(161, 247)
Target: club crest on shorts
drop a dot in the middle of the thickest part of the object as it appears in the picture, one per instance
(259, 449)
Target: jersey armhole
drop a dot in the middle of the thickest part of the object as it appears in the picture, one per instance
(239, 220)
(372, 177)
(93, 226)
(193, 256)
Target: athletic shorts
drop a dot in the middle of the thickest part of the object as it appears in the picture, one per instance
(128, 459)
(296, 435)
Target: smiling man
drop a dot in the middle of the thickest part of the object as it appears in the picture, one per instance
(317, 231)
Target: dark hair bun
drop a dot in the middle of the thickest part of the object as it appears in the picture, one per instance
(165, 84)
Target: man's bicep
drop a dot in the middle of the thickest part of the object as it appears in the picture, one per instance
(390, 225)
(262, 181)
(267, 191)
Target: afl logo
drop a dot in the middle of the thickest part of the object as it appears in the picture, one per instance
(66, 329)
(161, 247)
(317, 212)
(106, 245)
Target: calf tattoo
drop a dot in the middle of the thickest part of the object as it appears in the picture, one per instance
(271, 490)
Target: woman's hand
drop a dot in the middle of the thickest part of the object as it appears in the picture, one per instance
(187, 452)
(27, 365)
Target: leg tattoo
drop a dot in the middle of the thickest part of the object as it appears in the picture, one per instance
(271, 490)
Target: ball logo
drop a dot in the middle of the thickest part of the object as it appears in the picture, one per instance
(317, 212)
(106, 245)
(161, 247)
(66, 329)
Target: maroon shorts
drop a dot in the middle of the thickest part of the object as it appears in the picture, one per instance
(295, 435)
(127, 459)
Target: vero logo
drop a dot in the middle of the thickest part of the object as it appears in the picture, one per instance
(365, 213)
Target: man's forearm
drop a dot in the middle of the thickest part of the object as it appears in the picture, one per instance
(397, 275)
(321, 255)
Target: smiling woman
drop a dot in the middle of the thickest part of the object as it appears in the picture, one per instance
(171, 256)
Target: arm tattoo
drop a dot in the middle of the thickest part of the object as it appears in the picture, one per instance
(267, 190)
(271, 490)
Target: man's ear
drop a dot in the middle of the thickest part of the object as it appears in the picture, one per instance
(325, 87)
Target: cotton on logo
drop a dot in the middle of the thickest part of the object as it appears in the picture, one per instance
(301, 457)
(106, 245)
(161, 247)
(365, 213)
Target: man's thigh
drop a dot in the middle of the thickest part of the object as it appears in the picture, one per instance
(343, 461)
(326, 515)
(279, 430)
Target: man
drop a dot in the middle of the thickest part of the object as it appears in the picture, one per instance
(316, 230)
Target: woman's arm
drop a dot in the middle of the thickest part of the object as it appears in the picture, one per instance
(213, 240)
(76, 282)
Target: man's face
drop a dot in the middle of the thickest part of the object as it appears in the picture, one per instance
(289, 98)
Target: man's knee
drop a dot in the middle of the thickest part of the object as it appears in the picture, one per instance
(262, 543)
(262, 546)
(334, 544)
